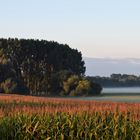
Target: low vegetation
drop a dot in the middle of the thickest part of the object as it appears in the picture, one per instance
(37, 118)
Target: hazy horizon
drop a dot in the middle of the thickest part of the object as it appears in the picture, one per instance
(107, 66)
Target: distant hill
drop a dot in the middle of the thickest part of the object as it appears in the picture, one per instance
(107, 66)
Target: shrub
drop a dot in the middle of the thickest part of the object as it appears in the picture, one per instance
(13, 86)
(8, 86)
(70, 84)
(21, 89)
(80, 86)
(83, 87)
(95, 88)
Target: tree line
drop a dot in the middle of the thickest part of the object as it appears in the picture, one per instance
(117, 80)
(40, 67)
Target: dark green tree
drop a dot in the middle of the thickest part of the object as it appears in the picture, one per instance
(37, 62)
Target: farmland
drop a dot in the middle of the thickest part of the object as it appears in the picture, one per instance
(38, 118)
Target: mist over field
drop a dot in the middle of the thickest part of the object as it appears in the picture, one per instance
(107, 66)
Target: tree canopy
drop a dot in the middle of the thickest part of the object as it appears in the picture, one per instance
(117, 80)
(38, 64)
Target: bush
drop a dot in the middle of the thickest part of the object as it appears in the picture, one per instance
(21, 89)
(8, 86)
(83, 87)
(72, 93)
(13, 86)
(70, 84)
(80, 86)
(95, 89)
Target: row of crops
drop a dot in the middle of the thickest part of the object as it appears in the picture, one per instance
(34, 118)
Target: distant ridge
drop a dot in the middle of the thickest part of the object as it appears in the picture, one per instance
(107, 66)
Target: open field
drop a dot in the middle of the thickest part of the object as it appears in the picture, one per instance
(115, 97)
(38, 118)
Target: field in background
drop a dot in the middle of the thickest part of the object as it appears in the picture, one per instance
(27, 117)
(114, 97)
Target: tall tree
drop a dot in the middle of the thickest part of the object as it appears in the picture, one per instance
(36, 61)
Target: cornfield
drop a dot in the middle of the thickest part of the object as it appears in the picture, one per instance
(38, 118)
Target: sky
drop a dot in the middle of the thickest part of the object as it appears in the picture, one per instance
(107, 66)
(97, 28)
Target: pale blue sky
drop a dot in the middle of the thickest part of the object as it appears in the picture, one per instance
(98, 28)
